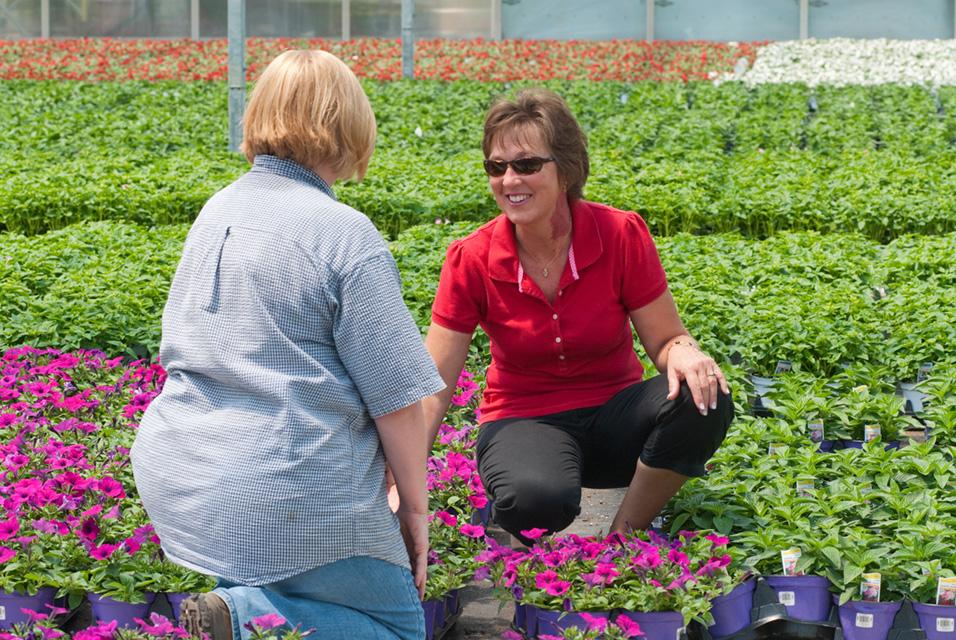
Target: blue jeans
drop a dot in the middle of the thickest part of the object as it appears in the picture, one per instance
(359, 597)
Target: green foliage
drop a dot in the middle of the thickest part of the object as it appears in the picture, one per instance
(693, 157)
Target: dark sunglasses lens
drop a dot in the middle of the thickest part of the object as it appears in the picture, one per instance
(527, 166)
(495, 168)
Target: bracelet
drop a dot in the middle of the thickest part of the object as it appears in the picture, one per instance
(685, 343)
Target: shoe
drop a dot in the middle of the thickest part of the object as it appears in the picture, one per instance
(206, 615)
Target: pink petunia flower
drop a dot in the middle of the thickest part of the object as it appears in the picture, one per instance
(717, 540)
(9, 528)
(268, 621)
(447, 519)
(6, 554)
(533, 534)
(473, 530)
(103, 551)
(628, 627)
(595, 623)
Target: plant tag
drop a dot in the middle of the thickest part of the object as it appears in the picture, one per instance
(658, 523)
(774, 449)
(945, 625)
(804, 487)
(788, 559)
(783, 366)
(946, 592)
(924, 370)
(861, 389)
(787, 598)
(3, 612)
(870, 587)
(871, 432)
(864, 620)
(816, 431)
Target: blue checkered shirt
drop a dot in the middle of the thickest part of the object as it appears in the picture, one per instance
(284, 335)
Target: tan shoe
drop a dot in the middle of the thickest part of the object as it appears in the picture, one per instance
(206, 615)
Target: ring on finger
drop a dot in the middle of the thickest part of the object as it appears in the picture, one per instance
(712, 374)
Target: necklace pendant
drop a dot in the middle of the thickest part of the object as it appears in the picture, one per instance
(544, 272)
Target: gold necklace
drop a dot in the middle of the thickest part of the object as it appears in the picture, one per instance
(544, 269)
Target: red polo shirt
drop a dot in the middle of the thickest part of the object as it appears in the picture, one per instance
(547, 358)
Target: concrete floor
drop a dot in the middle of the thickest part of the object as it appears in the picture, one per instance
(484, 616)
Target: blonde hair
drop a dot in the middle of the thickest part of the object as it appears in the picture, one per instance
(309, 107)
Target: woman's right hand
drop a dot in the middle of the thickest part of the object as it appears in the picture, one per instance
(414, 527)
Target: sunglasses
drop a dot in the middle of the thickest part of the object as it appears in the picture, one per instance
(521, 166)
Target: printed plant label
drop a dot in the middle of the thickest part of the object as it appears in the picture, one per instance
(864, 620)
(946, 625)
(783, 366)
(816, 431)
(3, 612)
(788, 598)
(870, 587)
(788, 560)
(946, 592)
(924, 370)
(774, 449)
(871, 432)
(804, 487)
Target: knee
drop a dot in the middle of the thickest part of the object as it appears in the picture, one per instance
(715, 424)
(534, 504)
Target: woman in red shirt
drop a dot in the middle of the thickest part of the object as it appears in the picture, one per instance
(556, 282)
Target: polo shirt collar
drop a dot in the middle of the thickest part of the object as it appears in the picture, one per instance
(585, 243)
(292, 170)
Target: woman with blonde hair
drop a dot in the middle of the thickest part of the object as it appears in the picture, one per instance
(294, 371)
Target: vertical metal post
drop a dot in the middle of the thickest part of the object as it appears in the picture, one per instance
(194, 19)
(496, 19)
(954, 19)
(649, 36)
(237, 70)
(346, 19)
(408, 38)
(805, 19)
(44, 18)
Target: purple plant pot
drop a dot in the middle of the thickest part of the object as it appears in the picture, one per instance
(938, 621)
(452, 603)
(11, 603)
(108, 609)
(806, 597)
(867, 620)
(176, 603)
(555, 622)
(434, 617)
(656, 625)
(529, 619)
(520, 620)
(732, 611)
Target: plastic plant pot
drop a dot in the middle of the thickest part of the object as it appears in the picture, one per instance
(867, 620)
(938, 621)
(434, 617)
(108, 609)
(176, 603)
(806, 598)
(11, 603)
(732, 611)
(656, 625)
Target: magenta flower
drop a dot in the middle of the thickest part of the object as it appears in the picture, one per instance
(269, 621)
(6, 554)
(161, 626)
(35, 616)
(103, 551)
(595, 623)
(627, 626)
(110, 487)
(103, 631)
(9, 528)
(678, 557)
(717, 540)
(447, 519)
(473, 530)
(478, 501)
(650, 559)
(557, 588)
(533, 534)
(545, 578)
(88, 530)
(511, 635)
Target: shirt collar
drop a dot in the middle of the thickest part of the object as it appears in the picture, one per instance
(585, 243)
(292, 170)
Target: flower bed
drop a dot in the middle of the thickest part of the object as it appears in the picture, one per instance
(845, 61)
(99, 59)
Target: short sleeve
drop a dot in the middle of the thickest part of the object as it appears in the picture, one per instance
(378, 342)
(457, 303)
(644, 278)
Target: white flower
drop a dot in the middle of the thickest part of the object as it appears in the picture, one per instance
(419, 132)
(845, 61)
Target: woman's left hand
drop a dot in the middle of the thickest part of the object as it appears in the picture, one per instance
(689, 364)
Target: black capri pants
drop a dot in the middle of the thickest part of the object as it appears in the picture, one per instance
(534, 468)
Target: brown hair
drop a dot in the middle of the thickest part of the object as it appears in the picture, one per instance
(544, 111)
(309, 107)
